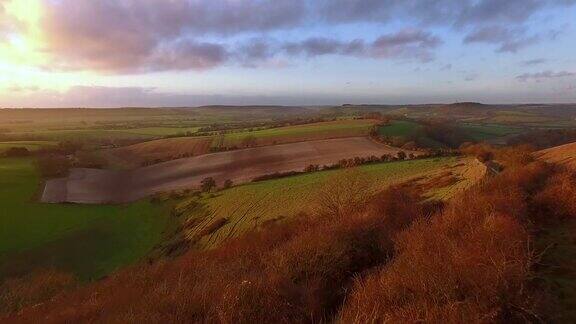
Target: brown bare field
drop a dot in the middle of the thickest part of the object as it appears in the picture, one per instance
(162, 150)
(565, 154)
(159, 150)
(103, 186)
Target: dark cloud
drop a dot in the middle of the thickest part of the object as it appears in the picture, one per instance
(507, 39)
(406, 44)
(539, 76)
(537, 61)
(499, 22)
(446, 67)
(443, 12)
(184, 55)
(127, 35)
(471, 77)
(409, 43)
(324, 46)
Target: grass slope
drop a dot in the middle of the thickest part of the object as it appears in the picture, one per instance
(250, 206)
(323, 130)
(90, 241)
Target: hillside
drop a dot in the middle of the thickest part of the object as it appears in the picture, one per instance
(174, 148)
(248, 207)
(105, 186)
(565, 155)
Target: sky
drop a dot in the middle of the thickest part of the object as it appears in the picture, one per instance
(117, 53)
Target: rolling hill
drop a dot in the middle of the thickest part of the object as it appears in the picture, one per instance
(107, 186)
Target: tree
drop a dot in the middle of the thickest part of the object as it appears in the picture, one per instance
(249, 141)
(53, 165)
(228, 183)
(386, 158)
(312, 168)
(207, 184)
(17, 152)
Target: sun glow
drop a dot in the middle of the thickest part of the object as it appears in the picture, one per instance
(24, 41)
(22, 58)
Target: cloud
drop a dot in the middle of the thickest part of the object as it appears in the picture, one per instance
(539, 76)
(436, 12)
(184, 55)
(133, 36)
(537, 61)
(446, 67)
(471, 77)
(508, 40)
(130, 35)
(406, 44)
(319, 46)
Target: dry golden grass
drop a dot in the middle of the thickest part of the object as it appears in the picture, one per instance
(565, 155)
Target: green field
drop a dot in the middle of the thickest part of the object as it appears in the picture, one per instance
(145, 133)
(89, 241)
(340, 128)
(248, 206)
(485, 132)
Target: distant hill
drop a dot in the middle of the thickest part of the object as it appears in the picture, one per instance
(465, 108)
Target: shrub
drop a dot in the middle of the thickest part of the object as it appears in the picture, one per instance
(207, 184)
(228, 184)
(558, 199)
(17, 152)
(249, 141)
(470, 263)
(53, 165)
(32, 289)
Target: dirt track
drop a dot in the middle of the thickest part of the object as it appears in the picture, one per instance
(100, 186)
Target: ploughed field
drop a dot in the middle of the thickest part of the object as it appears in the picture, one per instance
(167, 149)
(93, 186)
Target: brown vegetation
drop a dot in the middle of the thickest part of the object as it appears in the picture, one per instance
(16, 152)
(33, 289)
(470, 263)
(53, 165)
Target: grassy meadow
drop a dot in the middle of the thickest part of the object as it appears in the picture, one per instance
(322, 130)
(88, 241)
